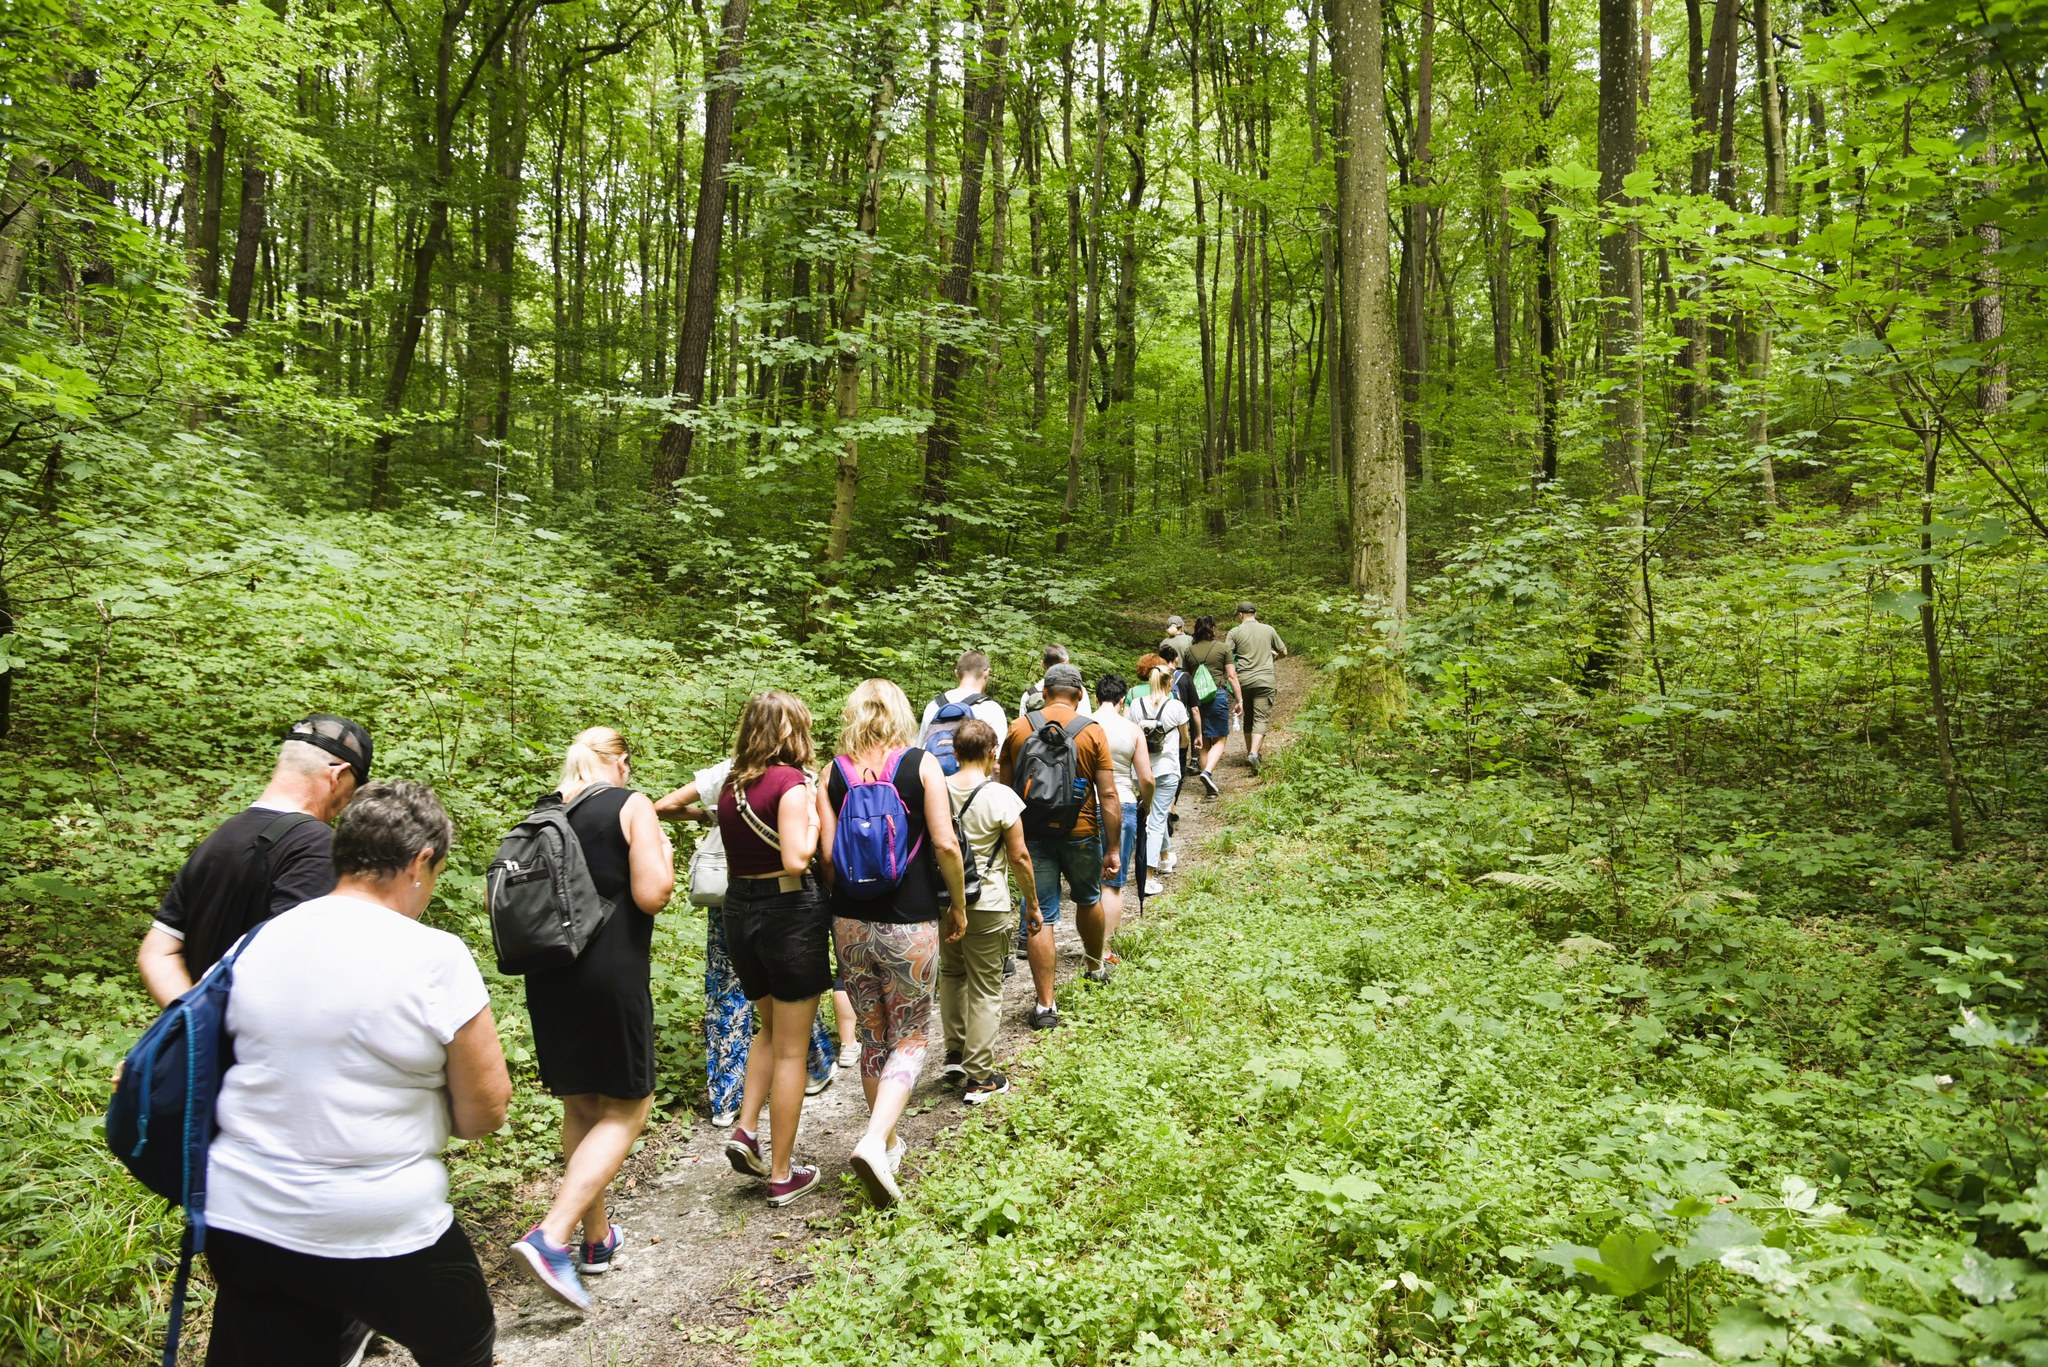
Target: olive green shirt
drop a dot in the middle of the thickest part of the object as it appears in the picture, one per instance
(1254, 646)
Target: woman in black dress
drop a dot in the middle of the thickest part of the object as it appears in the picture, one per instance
(593, 1020)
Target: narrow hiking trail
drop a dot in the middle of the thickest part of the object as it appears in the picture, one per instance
(703, 1254)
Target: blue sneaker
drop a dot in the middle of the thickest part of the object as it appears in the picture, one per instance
(597, 1258)
(554, 1267)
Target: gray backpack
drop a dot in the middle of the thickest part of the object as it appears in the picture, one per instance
(543, 907)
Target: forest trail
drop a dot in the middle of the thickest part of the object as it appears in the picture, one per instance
(703, 1253)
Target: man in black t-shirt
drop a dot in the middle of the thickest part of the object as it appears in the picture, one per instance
(261, 861)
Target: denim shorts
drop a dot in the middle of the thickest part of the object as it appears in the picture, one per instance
(1078, 859)
(1128, 848)
(1215, 715)
(780, 942)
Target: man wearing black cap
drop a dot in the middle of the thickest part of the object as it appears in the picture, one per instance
(259, 862)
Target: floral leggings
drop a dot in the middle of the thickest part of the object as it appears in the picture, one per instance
(891, 972)
(729, 1026)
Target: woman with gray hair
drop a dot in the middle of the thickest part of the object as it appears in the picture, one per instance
(362, 1041)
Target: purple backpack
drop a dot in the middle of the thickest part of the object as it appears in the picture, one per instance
(872, 848)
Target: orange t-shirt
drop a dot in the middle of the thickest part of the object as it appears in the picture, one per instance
(1091, 756)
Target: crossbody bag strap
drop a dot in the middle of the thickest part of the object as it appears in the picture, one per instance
(767, 834)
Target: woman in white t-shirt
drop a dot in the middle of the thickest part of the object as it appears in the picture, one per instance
(1134, 781)
(1163, 719)
(363, 1040)
(989, 814)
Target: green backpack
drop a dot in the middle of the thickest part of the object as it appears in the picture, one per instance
(1205, 683)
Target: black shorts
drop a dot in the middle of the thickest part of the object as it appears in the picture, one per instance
(780, 942)
(277, 1308)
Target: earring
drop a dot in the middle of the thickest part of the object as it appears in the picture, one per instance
(415, 882)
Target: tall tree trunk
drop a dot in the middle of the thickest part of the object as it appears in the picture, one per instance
(983, 87)
(501, 233)
(1550, 381)
(1205, 317)
(1077, 390)
(1379, 563)
(213, 190)
(249, 225)
(700, 300)
(437, 148)
(854, 310)
(1415, 253)
(1930, 635)
(21, 209)
(1987, 303)
(1028, 134)
(1758, 332)
(1621, 319)
(1326, 242)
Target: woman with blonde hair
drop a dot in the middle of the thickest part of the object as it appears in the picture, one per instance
(775, 928)
(886, 827)
(593, 1020)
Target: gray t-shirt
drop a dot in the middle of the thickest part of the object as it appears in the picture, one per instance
(1254, 646)
(1180, 641)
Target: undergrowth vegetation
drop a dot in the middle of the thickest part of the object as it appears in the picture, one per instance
(1561, 1023)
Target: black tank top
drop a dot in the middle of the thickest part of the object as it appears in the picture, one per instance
(596, 823)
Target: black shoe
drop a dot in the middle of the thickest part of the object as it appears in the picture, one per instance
(355, 1341)
(954, 1072)
(1009, 966)
(1044, 1018)
(981, 1089)
(1253, 760)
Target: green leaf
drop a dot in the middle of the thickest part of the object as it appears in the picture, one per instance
(1743, 1330)
(1900, 602)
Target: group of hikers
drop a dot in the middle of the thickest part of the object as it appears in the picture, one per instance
(362, 1040)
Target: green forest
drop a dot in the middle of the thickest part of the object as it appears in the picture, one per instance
(1626, 409)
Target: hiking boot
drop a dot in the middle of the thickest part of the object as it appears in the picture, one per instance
(743, 1151)
(1253, 760)
(1044, 1018)
(870, 1163)
(554, 1267)
(955, 1071)
(815, 1085)
(801, 1179)
(981, 1089)
(1209, 782)
(1154, 888)
(597, 1258)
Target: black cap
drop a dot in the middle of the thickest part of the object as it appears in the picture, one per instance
(346, 740)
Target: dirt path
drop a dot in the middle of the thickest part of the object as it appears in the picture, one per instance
(702, 1251)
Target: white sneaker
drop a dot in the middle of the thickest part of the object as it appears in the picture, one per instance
(1171, 862)
(1154, 888)
(725, 1120)
(849, 1060)
(896, 1153)
(871, 1165)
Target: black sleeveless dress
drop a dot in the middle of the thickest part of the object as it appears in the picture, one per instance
(593, 1020)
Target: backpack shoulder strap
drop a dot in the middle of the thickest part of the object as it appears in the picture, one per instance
(274, 829)
(1079, 724)
(974, 700)
(591, 791)
(1037, 720)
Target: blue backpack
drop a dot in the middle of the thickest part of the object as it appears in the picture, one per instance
(160, 1122)
(872, 848)
(938, 736)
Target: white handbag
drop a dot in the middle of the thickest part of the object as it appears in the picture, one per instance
(708, 872)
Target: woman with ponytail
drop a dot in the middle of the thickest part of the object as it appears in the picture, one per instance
(593, 1020)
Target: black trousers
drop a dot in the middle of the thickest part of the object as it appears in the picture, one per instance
(277, 1308)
